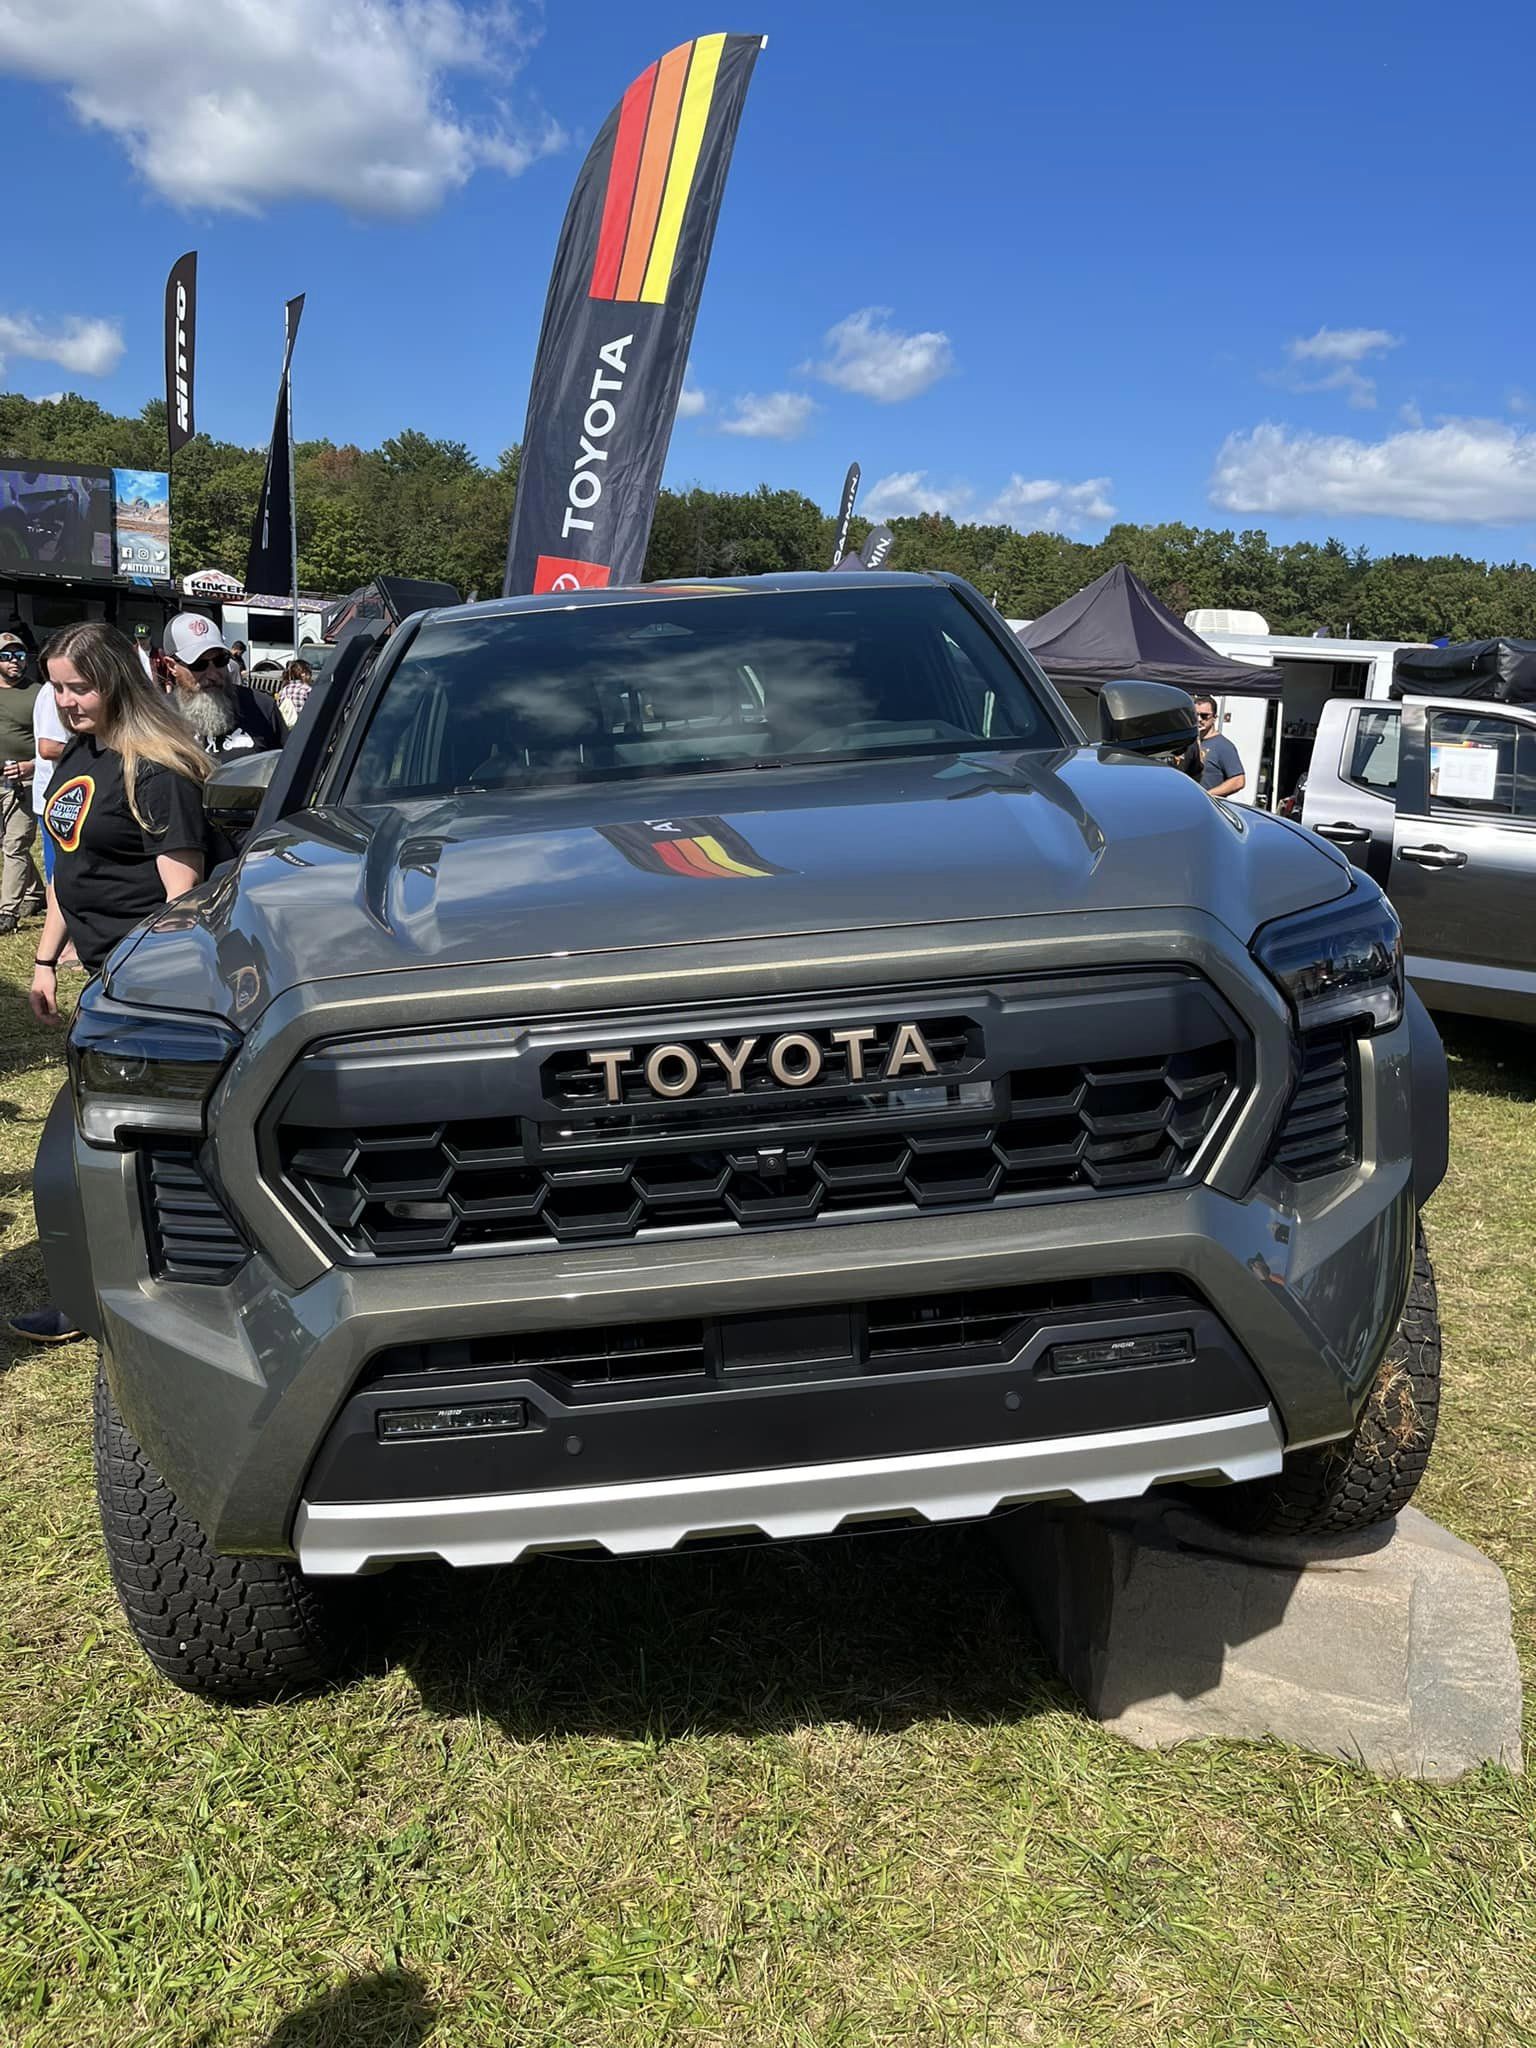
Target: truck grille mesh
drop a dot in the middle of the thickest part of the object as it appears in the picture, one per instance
(1320, 1130)
(986, 1326)
(190, 1237)
(430, 1188)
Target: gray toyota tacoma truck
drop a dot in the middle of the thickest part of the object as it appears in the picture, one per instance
(719, 1060)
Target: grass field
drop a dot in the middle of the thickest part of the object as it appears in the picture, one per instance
(822, 1797)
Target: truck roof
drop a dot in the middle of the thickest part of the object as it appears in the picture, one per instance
(691, 586)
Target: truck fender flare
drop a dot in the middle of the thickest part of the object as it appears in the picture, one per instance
(1431, 1099)
(61, 1219)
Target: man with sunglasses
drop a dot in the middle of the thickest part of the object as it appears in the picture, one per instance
(21, 893)
(203, 683)
(1221, 766)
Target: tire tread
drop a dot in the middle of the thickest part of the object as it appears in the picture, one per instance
(226, 1627)
(1373, 1473)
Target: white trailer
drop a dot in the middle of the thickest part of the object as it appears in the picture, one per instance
(1274, 737)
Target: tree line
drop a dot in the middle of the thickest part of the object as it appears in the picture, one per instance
(416, 506)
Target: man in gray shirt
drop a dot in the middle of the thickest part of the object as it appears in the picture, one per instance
(1221, 767)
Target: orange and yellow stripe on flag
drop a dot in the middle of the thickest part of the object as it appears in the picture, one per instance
(705, 856)
(623, 297)
(662, 123)
(703, 849)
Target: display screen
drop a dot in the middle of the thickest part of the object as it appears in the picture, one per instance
(143, 523)
(56, 523)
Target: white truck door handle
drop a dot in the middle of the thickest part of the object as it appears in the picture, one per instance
(1432, 856)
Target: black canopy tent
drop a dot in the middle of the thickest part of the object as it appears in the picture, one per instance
(1496, 671)
(1115, 631)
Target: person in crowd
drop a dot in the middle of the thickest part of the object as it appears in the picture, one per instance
(1221, 766)
(239, 655)
(225, 715)
(125, 813)
(144, 648)
(21, 893)
(50, 737)
(293, 692)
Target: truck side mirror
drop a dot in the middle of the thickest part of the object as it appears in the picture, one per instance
(233, 793)
(1147, 718)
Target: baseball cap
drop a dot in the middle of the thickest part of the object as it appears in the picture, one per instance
(189, 636)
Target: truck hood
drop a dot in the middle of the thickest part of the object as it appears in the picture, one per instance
(689, 860)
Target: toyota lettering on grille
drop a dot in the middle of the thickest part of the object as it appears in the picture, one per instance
(794, 1060)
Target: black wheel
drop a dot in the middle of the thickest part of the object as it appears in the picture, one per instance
(1372, 1473)
(234, 1628)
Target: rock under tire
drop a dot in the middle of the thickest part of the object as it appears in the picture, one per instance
(1373, 1473)
(228, 1627)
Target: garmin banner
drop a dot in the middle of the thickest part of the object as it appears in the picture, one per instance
(180, 350)
(627, 279)
(845, 513)
(270, 564)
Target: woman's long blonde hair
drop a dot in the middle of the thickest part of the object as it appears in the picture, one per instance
(136, 722)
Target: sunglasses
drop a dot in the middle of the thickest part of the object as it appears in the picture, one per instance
(13, 654)
(217, 659)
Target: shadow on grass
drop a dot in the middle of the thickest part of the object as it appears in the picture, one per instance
(877, 1630)
(1495, 1059)
(384, 2010)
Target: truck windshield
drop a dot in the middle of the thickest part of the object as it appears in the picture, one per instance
(691, 683)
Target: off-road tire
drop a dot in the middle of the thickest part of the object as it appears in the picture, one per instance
(231, 1628)
(1371, 1474)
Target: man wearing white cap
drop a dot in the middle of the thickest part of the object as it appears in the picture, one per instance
(202, 683)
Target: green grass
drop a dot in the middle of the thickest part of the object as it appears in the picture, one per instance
(818, 1796)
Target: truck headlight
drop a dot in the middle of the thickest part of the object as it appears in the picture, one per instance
(138, 1071)
(1341, 963)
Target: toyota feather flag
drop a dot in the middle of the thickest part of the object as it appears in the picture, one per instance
(845, 513)
(180, 350)
(628, 275)
(270, 566)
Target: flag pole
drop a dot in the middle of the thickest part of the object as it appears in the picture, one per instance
(293, 503)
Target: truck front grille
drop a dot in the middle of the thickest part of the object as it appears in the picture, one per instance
(421, 1189)
(983, 1327)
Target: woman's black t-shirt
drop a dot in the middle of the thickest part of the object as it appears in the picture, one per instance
(104, 872)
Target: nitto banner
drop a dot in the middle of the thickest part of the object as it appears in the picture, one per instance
(180, 350)
(619, 317)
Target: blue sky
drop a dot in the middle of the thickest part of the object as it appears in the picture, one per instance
(1178, 261)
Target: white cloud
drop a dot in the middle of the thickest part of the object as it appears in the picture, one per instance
(231, 105)
(691, 403)
(1335, 354)
(88, 348)
(49, 398)
(1031, 504)
(1042, 505)
(1342, 345)
(1460, 471)
(878, 361)
(775, 416)
(907, 492)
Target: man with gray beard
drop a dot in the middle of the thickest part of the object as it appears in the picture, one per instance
(202, 682)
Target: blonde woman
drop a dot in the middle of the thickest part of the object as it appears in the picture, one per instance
(124, 808)
(293, 691)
